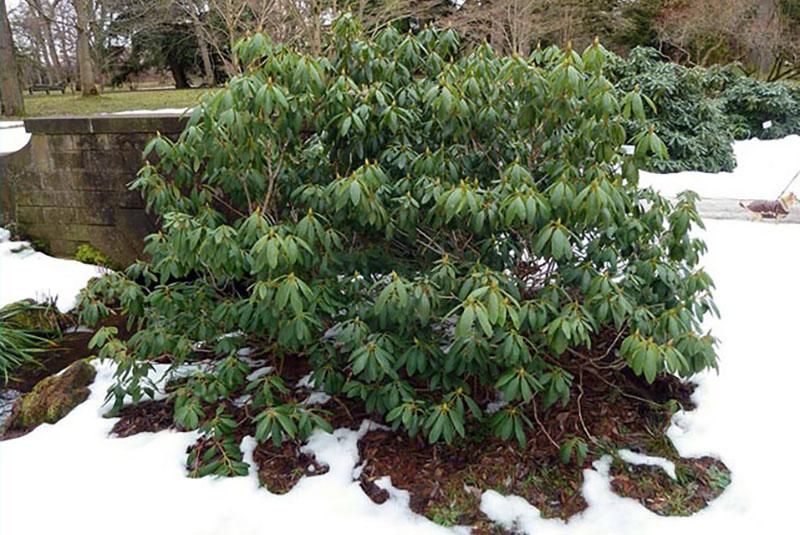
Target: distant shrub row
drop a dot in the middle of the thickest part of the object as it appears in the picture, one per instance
(699, 112)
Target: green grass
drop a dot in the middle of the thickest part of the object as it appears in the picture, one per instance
(42, 105)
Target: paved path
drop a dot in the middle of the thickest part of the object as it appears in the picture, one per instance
(730, 209)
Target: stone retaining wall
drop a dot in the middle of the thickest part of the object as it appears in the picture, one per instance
(69, 185)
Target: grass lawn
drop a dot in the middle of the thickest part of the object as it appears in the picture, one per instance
(41, 105)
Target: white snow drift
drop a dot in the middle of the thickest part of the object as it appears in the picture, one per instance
(763, 168)
(73, 478)
(29, 274)
(12, 136)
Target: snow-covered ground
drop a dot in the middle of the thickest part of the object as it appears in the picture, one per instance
(12, 136)
(73, 478)
(29, 274)
(764, 167)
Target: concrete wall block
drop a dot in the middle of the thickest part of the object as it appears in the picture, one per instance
(62, 143)
(69, 185)
(29, 215)
(42, 158)
(82, 199)
(59, 215)
(62, 248)
(82, 233)
(68, 159)
(130, 199)
(99, 215)
(96, 142)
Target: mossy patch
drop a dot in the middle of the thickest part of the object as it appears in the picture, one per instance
(89, 255)
(53, 398)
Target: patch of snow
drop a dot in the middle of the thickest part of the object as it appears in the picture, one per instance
(261, 372)
(647, 460)
(78, 329)
(317, 398)
(161, 111)
(763, 168)
(401, 495)
(13, 136)
(306, 381)
(28, 274)
(493, 406)
(148, 470)
(242, 400)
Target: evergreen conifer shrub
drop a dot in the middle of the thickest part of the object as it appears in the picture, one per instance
(417, 222)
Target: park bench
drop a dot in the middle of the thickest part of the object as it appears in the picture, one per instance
(62, 86)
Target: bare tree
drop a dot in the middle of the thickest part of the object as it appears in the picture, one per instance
(219, 24)
(708, 31)
(84, 50)
(10, 90)
(45, 15)
(514, 26)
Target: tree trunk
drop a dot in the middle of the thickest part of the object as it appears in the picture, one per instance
(178, 72)
(10, 91)
(40, 51)
(208, 68)
(763, 56)
(84, 53)
(46, 20)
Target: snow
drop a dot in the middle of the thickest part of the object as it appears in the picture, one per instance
(632, 457)
(161, 111)
(91, 483)
(261, 372)
(29, 274)
(764, 168)
(316, 398)
(745, 416)
(12, 136)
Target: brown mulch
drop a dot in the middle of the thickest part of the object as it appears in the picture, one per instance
(699, 481)
(146, 417)
(448, 481)
(279, 469)
(445, 482)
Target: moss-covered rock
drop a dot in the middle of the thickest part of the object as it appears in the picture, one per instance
(53, 397)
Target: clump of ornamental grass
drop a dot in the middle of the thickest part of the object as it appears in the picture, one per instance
(420, 224)
(21, 340)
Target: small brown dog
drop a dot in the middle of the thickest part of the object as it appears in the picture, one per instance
(771, 209)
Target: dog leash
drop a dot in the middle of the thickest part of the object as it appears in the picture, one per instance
(797, 174)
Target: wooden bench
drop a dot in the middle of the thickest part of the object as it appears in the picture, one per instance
(48, 87)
